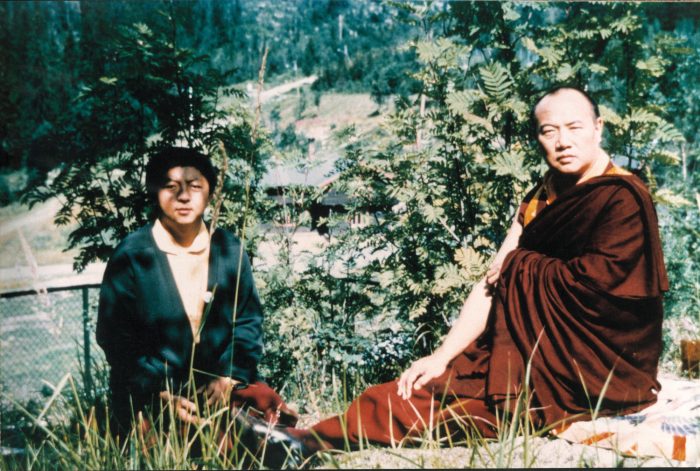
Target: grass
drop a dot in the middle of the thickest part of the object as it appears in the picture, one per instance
(69, 431)
(62, 432)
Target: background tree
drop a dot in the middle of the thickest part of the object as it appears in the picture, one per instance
(50, 49)
(678, 37)
(153, 93)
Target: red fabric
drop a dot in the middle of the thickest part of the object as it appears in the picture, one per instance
(581, 300)
(262, 401)
(381, 416)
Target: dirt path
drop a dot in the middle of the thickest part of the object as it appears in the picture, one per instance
(36, 216)
(539, 453)
(282, 89)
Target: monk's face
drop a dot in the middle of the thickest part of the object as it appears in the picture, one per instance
(569, 134)
(184, 197)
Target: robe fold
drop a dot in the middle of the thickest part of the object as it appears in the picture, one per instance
(578, 309)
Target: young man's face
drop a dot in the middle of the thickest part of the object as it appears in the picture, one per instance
(569, 133)
(184, 196)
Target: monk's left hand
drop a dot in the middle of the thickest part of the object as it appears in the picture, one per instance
(420, 373)
(219, 390)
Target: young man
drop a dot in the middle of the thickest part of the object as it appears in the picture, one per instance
(569, 313)
(179, 314)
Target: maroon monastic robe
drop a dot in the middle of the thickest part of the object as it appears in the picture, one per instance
(580, 301)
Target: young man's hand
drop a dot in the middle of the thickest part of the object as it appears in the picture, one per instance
(185, 410)
(219, 390)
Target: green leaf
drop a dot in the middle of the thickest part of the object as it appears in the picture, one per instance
(667, 132)
(304, 218)
(565, 72)
(478, 120)
(626, 24)
(665, 157)
(469, 259)
(667, 197)
(510, 164)
(552, 56)
(642, 116)
(496, 80)
(530, 45)
(447, 278)
(610, 116)
(509, 13)
(427, 51)
(461, 101)
(519, 107)
(386, 279)
(418, 310)
(143, 29)
(654, 65)
(605, 33)
(431, 213)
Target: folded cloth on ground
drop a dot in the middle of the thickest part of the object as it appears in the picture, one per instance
(670, 428)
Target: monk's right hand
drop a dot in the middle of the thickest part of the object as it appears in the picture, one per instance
(184, 409)
(420, 373)
(493, 273)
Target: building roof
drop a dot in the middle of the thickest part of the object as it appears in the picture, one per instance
(319, 173)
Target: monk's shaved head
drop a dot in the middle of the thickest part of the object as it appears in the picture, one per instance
(595, 111)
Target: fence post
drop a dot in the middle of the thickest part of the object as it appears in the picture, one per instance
(86, 342)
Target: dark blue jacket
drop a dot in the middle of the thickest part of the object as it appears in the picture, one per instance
(145, 333)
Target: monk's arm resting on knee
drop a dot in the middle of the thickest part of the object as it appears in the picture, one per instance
(469, 325)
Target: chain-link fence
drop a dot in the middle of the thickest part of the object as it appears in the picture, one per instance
(43, 336)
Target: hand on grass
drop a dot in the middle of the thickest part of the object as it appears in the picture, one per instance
(420, 373)
(184, 409)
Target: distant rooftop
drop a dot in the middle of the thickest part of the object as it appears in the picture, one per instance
(319, 173)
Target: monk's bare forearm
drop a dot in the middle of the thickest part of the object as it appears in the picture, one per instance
(510, 243)
(475, 310)
(467, 328)
(470, 323)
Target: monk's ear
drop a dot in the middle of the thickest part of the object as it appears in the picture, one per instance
(598, 129)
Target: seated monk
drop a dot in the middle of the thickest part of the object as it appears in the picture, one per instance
(575, 292)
